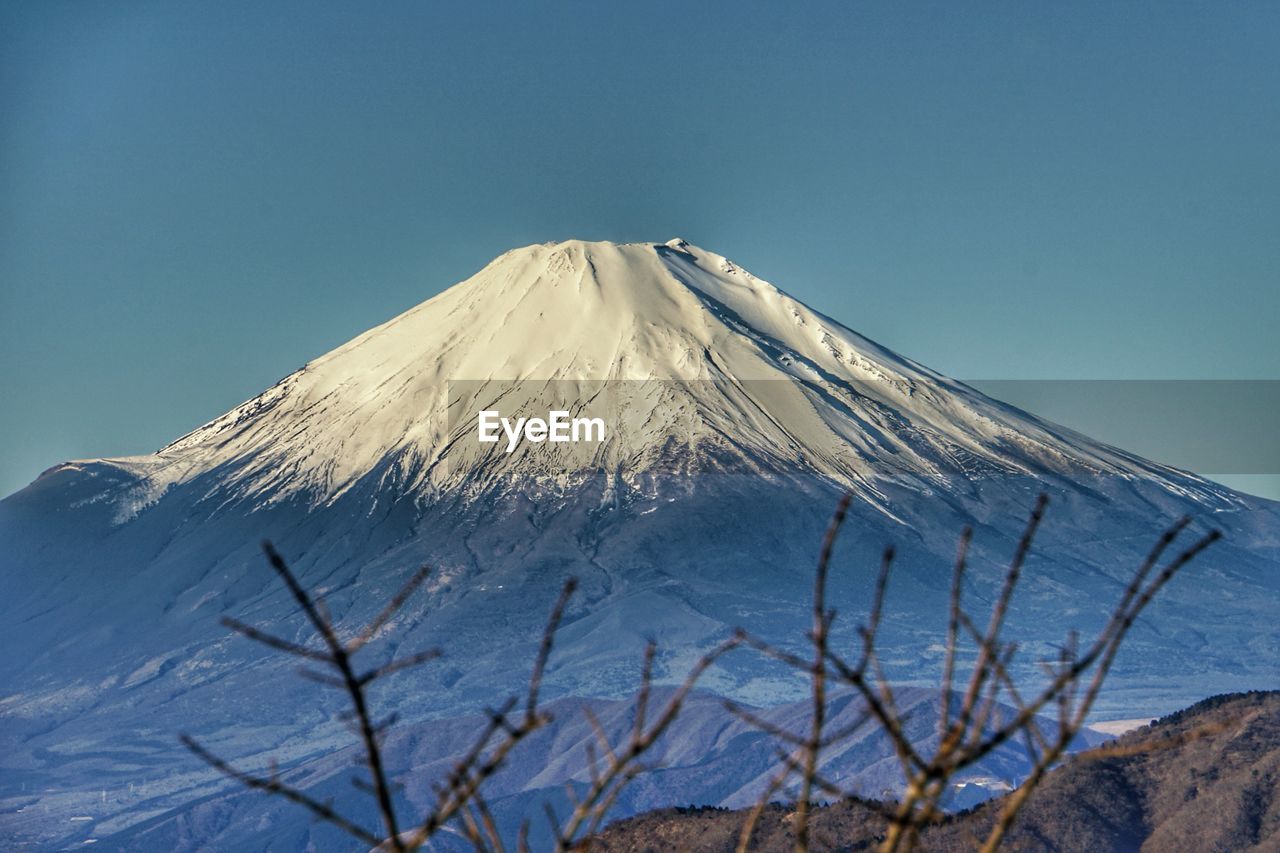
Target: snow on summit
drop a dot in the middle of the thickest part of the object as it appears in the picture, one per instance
(714, 335)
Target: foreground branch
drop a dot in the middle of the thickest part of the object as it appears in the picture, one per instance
(969, 726)
(459, 796)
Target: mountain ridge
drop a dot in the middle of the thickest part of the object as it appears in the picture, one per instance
(1202, 778)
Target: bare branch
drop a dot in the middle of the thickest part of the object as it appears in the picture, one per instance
(953, 619)
(811, 747)
(341, 661)
(273, 641)
(273, 785)
(488, 754)
(972, 727)
(544, 648)
(388, 612)
(401, 664)
(624, 761)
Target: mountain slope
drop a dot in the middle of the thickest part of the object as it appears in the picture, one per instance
(736, 417)
(707, 757)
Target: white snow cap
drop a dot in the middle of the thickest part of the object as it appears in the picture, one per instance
(582, 311)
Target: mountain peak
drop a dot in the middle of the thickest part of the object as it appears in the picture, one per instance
(734, 368)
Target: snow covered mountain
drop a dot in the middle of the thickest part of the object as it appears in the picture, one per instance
(736, 416)
(582, 314)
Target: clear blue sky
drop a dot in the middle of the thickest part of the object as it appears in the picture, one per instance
(195, 199)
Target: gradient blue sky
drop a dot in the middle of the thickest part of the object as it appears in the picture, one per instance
(195, 199)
